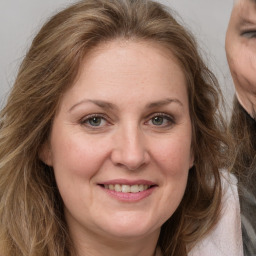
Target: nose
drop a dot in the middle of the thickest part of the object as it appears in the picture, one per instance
(130, 149)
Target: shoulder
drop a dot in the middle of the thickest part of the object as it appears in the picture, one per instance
(226, 238)
(229, 191)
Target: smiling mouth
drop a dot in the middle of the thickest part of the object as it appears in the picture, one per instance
(127, 188)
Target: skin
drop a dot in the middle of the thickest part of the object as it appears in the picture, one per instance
(141, 131)
(241, 52)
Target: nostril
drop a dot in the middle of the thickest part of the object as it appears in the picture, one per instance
(129, 161)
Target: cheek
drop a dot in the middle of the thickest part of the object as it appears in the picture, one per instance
(174, 155)
(243, 68)
(175, 160)
(76, 155)
(76, 161)
(251, 69)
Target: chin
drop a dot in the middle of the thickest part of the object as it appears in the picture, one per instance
(127, 228)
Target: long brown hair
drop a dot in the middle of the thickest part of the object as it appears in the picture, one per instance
(31, 210)
(243, 130)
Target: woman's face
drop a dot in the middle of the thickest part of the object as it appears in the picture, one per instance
(241, 52)
(120, 144)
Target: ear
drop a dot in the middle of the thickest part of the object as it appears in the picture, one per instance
(45, 153)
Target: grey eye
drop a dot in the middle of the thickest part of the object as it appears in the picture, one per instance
(95, 121)
(249, 34)
(157, 120)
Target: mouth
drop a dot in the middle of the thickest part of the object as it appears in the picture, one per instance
(125, 188)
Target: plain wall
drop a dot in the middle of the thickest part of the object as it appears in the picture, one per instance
(21, 19)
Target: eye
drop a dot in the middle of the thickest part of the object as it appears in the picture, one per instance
(157, 120)
(94, 121)
(161, 120)
(249, 34)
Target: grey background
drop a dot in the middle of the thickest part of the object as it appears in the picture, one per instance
(21, 19)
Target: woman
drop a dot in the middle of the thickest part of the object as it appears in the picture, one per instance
(240, 49)
(112, 139)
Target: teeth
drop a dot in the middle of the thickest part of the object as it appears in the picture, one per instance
(118, 188)
(127, 188)
(135, 188)
(141, 187)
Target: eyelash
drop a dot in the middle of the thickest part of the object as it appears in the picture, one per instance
(168, 119)
(85, 121)
(249, 34)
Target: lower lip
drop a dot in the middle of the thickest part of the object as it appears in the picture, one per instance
(129, 197)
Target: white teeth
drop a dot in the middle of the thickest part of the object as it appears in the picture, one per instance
(141, 187)
(118, 188)
(127, 188)
(135, 188)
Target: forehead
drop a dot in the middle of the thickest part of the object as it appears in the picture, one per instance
(244, 4)
(244, 11)
(121, 62)
(118, 49)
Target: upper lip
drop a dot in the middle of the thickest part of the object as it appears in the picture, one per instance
(128, 182)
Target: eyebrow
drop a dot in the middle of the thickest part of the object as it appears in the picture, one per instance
(246, 21)
(100, 103)
(252, 1)
(164, 102)
(107, 105)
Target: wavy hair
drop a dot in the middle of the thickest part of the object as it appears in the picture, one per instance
(243, 131)
(31, 210)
